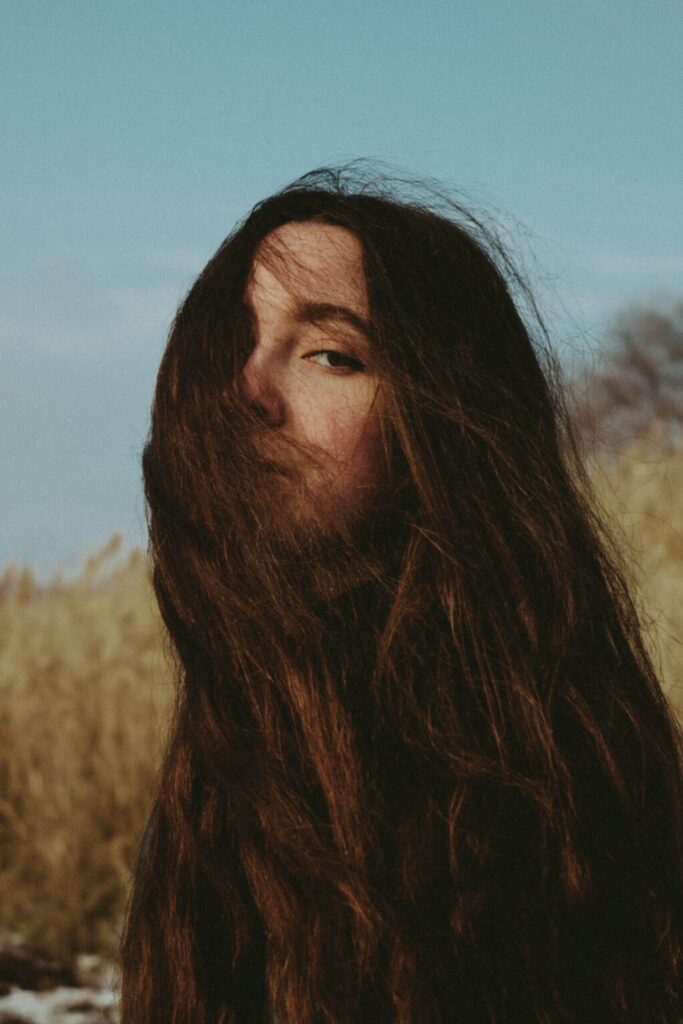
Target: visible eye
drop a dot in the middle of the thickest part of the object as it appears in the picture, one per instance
(339, 361)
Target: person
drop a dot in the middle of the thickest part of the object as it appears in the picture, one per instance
(421, 768)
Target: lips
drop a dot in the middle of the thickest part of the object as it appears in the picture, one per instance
(275, 468)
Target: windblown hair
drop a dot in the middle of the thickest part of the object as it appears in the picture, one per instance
(445, 786)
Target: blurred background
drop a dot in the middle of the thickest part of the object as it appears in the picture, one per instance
(134, 136)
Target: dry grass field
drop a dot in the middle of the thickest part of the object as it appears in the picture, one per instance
(85, 699)
(86, 695)
(641, 493)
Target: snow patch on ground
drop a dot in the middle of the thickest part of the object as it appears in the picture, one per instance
(37, 991)
(61, 1006)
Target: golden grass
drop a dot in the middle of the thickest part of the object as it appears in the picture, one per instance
(86, 695)
(641, 492)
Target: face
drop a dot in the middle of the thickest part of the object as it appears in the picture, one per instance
(311, 372)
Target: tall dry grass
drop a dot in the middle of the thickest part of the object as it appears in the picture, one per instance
(86, 693)
(84, 701)
(641, 492)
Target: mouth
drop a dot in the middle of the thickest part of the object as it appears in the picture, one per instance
(273, 467)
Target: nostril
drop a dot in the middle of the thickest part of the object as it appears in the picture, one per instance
(260, 410)
(267, 406)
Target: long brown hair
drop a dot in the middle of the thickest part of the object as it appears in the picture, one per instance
(421, 769)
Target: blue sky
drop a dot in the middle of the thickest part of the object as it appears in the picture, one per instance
(135, 134)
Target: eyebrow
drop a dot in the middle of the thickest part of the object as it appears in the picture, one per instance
(314, 312)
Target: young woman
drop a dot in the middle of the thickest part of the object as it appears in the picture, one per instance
(421, 768)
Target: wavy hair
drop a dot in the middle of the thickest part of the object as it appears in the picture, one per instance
(421, 769)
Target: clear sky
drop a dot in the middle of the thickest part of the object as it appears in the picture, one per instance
(134, 134)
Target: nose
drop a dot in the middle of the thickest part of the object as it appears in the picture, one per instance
(261, 391)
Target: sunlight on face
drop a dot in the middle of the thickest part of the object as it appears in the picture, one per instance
(311, 371)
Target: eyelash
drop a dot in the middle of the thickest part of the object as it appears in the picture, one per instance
(355, 367)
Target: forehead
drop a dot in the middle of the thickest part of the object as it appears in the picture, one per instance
(311, 261)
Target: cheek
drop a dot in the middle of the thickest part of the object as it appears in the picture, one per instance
(355, 448)
(346, 432)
